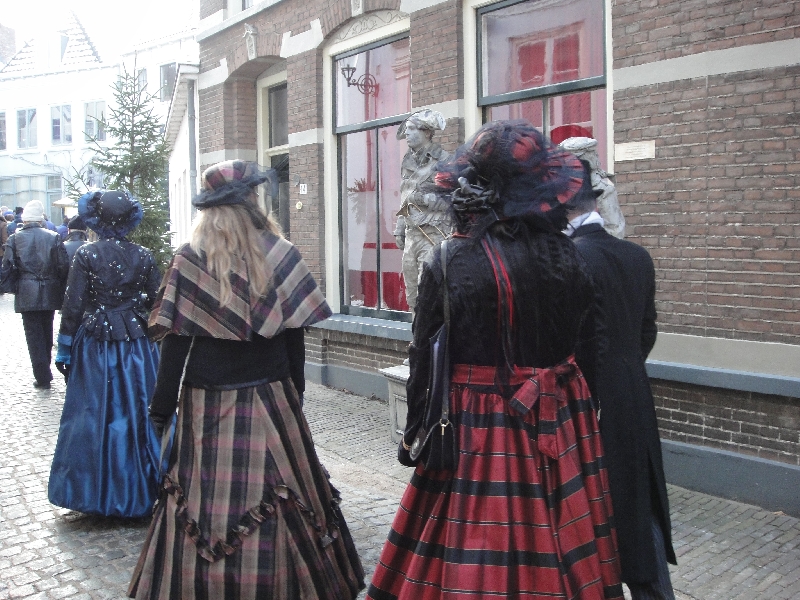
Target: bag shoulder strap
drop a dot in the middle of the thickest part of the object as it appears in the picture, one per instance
(446, 383)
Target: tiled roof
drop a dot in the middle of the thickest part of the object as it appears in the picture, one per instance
(32, 59)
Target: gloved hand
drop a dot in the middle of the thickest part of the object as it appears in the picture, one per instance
(404, 456)
(159, 423)
(400, 241)
(63, 353)
(63, 369)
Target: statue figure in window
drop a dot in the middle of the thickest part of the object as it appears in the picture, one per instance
(423, 220)
(585, 148)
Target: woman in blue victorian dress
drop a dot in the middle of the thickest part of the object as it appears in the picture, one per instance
(107, 456)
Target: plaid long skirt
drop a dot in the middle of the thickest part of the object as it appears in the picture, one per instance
(526, 515)
(246, 509)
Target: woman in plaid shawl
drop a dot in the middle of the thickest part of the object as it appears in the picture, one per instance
(526, 513)
(246, 509)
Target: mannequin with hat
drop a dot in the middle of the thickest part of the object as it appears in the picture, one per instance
(423, 220)
(38, 259)
(106, 456)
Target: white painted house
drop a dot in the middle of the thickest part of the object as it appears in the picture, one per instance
(51, 93)
(168, 68)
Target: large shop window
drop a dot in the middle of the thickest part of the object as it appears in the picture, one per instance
(373, 96)
(544, 61)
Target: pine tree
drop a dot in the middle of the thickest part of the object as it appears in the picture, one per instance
(138, 162)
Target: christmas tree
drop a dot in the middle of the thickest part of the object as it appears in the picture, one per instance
(137, 161)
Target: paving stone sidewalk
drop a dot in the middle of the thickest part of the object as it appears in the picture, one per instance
(726, 550)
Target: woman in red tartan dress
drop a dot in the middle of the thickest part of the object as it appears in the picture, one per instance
(526, 514)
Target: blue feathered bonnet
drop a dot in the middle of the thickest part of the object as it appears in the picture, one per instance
(111, 214)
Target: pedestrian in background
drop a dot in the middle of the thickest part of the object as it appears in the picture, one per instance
(246, 509)
(41, 266)
(76, 236)
(63, 229)
(49, 224)
(17, 220)
(615, 342)
(526, 513)
(4, 220)
(106, 457)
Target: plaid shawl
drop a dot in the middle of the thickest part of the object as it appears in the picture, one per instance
(188, 300)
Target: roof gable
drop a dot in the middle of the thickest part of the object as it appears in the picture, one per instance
(64, 49)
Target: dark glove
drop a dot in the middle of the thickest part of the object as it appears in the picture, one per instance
(159, 423)
(63, 368)
(404, 456)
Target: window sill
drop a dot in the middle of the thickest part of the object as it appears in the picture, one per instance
(367, 326)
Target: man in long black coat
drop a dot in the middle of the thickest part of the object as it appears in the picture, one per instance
(616, 339)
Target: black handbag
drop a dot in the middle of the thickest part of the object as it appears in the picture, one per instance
(9, 279)
(435, 443)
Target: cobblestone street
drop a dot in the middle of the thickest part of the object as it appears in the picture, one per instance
(726, 550)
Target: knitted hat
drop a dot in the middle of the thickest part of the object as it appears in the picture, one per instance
(34, 211)
(424, 119)
(232, 182)
(76, 222)
(112, 214)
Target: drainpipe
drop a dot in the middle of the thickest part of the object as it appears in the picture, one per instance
(192, 144)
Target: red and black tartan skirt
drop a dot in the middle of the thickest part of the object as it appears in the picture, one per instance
(527, 513)
(246, 510)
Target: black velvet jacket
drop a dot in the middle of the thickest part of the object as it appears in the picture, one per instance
(552, 294)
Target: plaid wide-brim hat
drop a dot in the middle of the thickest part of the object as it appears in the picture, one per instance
(525, 171)
(231, 182)
(111, 214)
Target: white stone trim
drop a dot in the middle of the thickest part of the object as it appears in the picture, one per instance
(212, 20)
(233, 19)
(210, 158)
(214, 76)
(307, 137)
(302, 42)
(410, 6)
(769, 55)
(735, 355)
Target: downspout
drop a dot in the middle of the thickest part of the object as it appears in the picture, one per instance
(192, 144)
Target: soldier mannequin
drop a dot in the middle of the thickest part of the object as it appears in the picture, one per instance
(422, 220)
(607, 203)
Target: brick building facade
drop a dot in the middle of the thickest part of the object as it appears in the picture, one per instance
(695, 105)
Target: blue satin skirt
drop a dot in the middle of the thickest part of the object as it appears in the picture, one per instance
(107, 454)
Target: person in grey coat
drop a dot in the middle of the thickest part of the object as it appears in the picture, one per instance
(40, 259)
(614, 343)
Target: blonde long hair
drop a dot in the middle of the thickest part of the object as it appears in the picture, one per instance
(223, 234)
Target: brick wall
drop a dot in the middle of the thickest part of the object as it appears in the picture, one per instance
(719, 206)
(435, 55)
(744, 422)
(649, 30)
(209, 7)
(353, 351)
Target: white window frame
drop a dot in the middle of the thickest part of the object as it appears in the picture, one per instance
(330, 152)
(473, 115)
(95, 122)
(272, 77)
(28, 145)
(63, 141)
